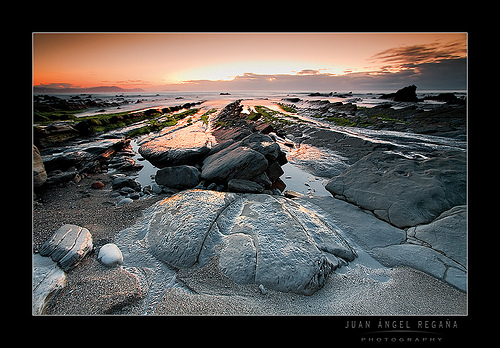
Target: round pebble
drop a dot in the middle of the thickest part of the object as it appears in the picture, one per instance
(110, 255)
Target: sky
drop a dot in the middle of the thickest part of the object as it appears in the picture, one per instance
(251, 61)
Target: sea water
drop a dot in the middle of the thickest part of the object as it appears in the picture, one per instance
(299, 175)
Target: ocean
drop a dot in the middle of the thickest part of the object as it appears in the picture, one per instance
(132, 101)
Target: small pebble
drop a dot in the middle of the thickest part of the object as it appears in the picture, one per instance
(125, 201)
(110, 255)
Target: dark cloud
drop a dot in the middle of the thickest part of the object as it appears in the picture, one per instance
(419, 54)
(308, 72)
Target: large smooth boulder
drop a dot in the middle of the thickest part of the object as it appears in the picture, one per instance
(187, 145)
(404, 191)
(234, 162)
(68, 246)
(257, 238)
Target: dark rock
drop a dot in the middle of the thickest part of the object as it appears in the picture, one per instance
(405, 94)
(317, 94)
(263, 144)
(449, 98)
(263, 127)
(292, 100)
(238, 163)
(279, 184)
(230, 111)
(120, 180)
(126, 190)
(241, 185)
(274, 171)
(125, 164)
(66, 160)
(58, 177)
(86, 156)
(180, 177)
(405, 192)
(232, 133)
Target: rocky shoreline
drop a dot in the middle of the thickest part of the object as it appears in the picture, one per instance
(215, 226)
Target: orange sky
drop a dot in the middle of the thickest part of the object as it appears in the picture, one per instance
(159, 59)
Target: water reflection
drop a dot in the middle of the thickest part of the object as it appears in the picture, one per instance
(148, 170)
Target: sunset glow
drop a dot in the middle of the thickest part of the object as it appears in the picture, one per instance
(160, 61)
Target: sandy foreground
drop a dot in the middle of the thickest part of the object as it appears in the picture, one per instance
(93, 289)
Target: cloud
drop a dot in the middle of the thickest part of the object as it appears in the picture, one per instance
(308, 72)
(58, 85)
(420, 54)
(129, 82)
(443, 74)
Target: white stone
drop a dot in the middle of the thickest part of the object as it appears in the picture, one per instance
(125, 201)
(110, 255)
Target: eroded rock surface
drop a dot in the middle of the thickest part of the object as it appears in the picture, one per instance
(404, 191)
(258, 239)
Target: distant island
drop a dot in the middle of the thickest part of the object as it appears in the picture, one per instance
(100, 89)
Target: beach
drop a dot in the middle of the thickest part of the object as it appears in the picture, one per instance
(398, 265)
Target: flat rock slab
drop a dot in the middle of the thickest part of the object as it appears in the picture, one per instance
(257, 238)
(48, 278)
(68, 245)
(424, 259)
(447, 234)
(405, 192)
(438, 248)
(360, 226)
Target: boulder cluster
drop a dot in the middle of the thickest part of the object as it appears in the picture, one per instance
(246, 162)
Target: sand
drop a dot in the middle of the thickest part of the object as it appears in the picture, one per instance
(93, 289)
(84, 206)
(396, 291)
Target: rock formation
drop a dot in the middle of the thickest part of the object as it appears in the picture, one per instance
(67, 246)
(403, 191)
(39, 173)
(405, 94)
(260, 239)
